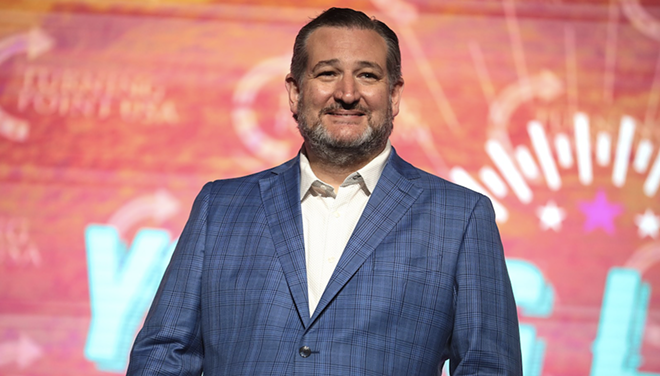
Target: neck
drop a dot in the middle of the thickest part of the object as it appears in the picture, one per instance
(332, 173)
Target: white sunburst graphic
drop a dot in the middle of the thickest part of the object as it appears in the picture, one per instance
(517, 169)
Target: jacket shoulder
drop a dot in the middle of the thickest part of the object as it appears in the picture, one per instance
(244, 185)
(433, 184)
(438, 192)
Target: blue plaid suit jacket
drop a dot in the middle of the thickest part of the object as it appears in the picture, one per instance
(421, 280)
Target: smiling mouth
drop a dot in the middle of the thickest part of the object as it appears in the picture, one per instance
(345, 113)
(354, 111)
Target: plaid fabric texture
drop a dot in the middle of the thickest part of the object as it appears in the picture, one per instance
(422, 280)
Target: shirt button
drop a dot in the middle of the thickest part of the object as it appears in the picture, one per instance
(337, 214)
(305, 351)
(331, 260)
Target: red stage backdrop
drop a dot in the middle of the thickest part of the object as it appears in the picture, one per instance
(114, 114)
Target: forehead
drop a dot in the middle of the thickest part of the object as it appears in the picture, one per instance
(346, 46)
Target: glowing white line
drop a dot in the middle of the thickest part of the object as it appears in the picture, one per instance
(493, 181)
(425, 67)
(526, 162)
(643, 156)
(603, 147)
(460, 176)
(482, 72)
(610, 51)
(425, 140)
(653, 180)
(563, 147)
(504, 163)
(516, 40)
(542, 148)
(622, 155)
(654, 97)
(583, 148)
(571, 68)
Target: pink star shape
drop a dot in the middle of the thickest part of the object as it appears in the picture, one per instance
(600, 213)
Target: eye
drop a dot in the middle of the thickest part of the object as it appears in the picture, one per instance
(326, 74)
(369, 76)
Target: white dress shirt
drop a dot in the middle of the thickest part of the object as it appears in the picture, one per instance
(329, 218)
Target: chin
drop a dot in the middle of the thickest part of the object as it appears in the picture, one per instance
(349, 139)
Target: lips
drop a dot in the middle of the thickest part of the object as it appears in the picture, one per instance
(345, 113)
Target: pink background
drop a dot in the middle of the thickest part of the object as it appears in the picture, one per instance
(117, 114)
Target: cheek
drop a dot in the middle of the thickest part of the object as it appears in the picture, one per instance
(317, 95)
(378, 101)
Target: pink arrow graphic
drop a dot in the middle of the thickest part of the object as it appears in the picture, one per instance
(23, 352)
(33, 43)
(158, 206)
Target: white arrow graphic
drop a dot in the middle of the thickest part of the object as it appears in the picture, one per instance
(33, 43)
(158, 206)
(641, 19)
(545, 86)
(23, 352)
(244, 117)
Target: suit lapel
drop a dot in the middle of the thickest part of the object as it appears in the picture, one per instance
(281, 198)
(391, 199)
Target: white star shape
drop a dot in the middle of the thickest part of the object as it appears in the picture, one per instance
(648, 224)
(551, 216)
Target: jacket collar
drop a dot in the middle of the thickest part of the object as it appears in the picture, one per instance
(392, 197)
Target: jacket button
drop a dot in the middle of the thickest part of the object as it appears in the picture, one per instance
(305, 351)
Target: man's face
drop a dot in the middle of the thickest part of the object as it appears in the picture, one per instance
(345, 101)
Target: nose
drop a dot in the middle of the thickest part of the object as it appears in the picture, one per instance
(347, 91)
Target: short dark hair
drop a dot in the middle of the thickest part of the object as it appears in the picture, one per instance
(347, 18)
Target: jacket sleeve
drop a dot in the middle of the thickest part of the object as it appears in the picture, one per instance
(170, 342)
(485, 339)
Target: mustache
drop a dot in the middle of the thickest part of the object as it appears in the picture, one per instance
(343, 106)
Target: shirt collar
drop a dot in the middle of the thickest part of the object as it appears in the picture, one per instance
(369, 173)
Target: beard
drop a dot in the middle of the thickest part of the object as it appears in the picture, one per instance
(341, 152)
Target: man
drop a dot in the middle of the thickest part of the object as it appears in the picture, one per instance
(345, 260)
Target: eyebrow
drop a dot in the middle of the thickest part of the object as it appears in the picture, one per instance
(334, 62)
(325, 62)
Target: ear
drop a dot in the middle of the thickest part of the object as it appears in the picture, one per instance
(397, 89)
(293, 90)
